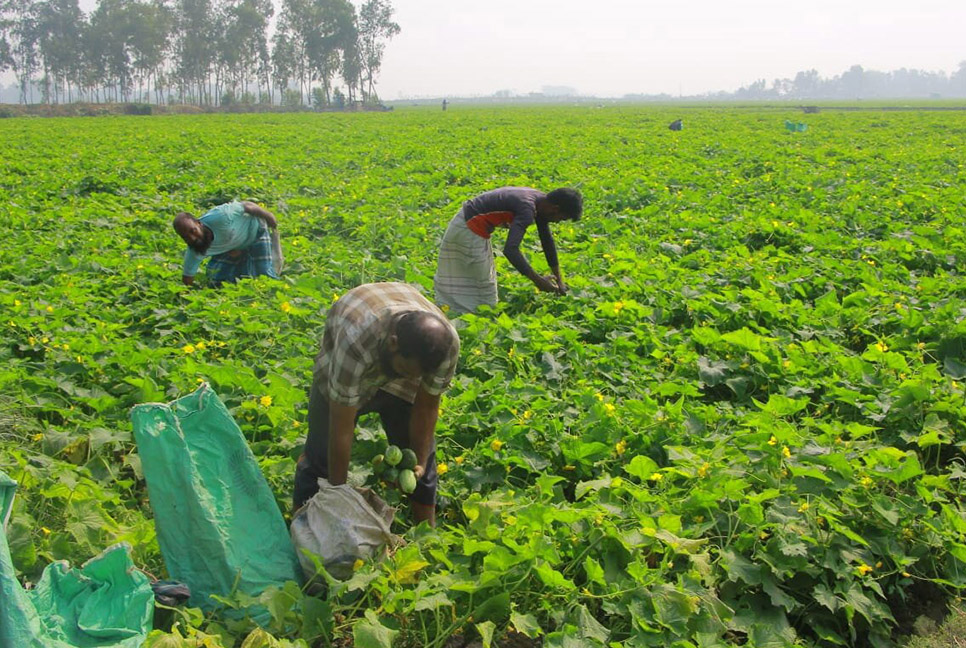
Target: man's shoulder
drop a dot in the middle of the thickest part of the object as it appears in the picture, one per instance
(224, 210)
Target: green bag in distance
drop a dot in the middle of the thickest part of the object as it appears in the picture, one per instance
(217, 522)
(106, 603)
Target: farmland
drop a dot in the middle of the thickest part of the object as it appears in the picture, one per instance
(743, 426)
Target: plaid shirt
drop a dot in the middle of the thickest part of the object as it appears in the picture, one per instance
(356, 329)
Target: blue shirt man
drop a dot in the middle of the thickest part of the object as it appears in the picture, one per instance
(236, 237)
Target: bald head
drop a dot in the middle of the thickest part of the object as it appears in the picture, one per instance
(426, 337)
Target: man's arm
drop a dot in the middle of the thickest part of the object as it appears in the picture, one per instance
(422, 427)
(260, 212)
(550, 252)
(342, 423)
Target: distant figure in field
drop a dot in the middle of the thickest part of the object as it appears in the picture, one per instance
(444, 104)
(235, 235)
(676, 125)
(465, 272)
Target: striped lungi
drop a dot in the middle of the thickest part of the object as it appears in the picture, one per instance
(465, 274)
(253, 261)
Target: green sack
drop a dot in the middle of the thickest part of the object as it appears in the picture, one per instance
(217, 522)
(107, 603)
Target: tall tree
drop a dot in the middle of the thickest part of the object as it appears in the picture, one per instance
(19, 28)
(150, 25)
(194, 52)
(59, 24)
(376, 27)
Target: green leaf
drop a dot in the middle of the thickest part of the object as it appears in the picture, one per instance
(594, 572)
(525, 624)
(589, 627)
(370, 633)
(641, 467)
(553, 578)
(486, 629)
(496, 608)
(744, 338)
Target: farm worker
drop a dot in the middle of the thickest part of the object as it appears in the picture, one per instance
(236, 237)
(385, 349)
(465, 272)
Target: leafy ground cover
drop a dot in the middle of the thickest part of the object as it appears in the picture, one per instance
(744, 426)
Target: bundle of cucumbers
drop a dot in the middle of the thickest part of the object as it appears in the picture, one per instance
(395, 467)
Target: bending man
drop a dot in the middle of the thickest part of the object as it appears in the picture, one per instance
(236, 237)
(385, 349)
(466, 274)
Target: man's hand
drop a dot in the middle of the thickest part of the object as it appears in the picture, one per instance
(546, 284)
(419, 471)
(260, 212)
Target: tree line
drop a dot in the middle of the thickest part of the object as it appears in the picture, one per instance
(206, 52)
(859, 83)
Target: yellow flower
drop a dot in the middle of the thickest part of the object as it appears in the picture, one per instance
(881, 347)
(459, 460)
(618, 306)
(621, 447)
(510, 353)
(45, 530)
(921, 346)
(656, 477)
(38, 437)
(32, 340)
(803, 507)
(444, 308)
(335, 297)
(599, 396)
(786, 452)
(863, 569)
(188, 348)
(45, 339)
(495, 445)
(296, 424)
(703, 470)
(609, 408)
(357, 564)
(50, 309)
(442, 469)
(16, 302)
(772, 440)
(570, 467)
(286, 307)
(510, 520)
(200, 346)
(616, 482)
(526, 415)
(906, 574)
(265, 401)
(866, 482)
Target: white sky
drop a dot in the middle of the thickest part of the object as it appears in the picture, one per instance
(616, 47)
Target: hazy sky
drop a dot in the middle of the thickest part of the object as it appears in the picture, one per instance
(614, 47)
(617, 47)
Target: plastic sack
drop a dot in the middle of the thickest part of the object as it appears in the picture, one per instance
(278, 259)
(218, 525)
(106, 603)
(341, 524)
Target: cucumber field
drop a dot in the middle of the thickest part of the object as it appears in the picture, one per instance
(745, 424)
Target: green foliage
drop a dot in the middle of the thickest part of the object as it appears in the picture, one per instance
(742, 426)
